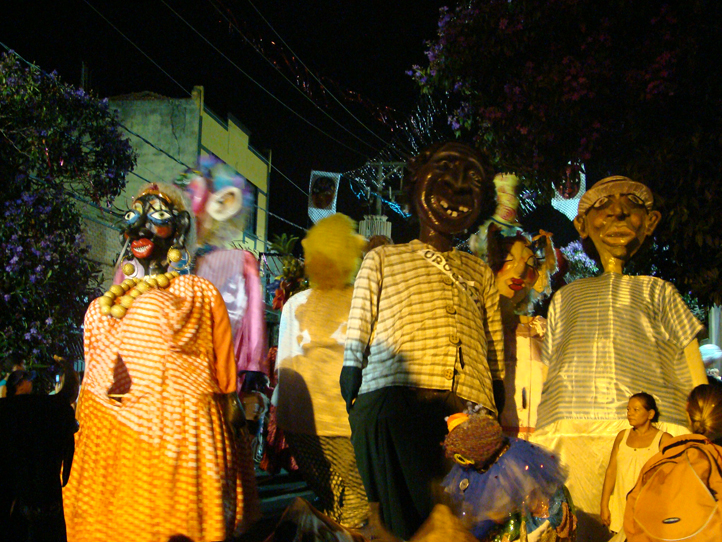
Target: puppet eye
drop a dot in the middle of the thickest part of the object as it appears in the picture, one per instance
(601, 202)
(131, 217)
(443, 165)
(634, 198)
(160, 217)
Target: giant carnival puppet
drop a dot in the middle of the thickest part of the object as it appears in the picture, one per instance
(608, 338)
(221, 202)
(310, 409)
(505, 488)
(523, 265)
(161, 449)
(424, 337)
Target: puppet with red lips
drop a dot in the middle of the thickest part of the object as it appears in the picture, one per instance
(424, 338)
(609, 337)
(153, 226)
(162, 448)
(157, 235)
(522, 265)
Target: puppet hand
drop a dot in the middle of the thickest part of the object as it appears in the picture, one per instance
(233, 412)
(350, 384)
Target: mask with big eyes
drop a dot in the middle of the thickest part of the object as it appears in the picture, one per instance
(152, 226)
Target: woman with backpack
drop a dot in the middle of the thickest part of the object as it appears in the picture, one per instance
(677, 494)
(632, 448)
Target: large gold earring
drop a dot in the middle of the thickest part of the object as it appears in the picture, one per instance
(174, 254)
(128, 269)
(179, 259)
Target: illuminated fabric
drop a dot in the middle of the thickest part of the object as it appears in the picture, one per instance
(629, 464)
(235, 274)
(523, 378)
(161, 460)
(610, 337)
(420, 329)
(310, 356)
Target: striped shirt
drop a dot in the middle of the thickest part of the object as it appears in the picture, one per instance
(412, 325)
(610, 337)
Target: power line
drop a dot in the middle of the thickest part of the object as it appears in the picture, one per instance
(264, 89)
(306, 96)
(147, 142)
(190, 94)
(316, 78)
(138, 48)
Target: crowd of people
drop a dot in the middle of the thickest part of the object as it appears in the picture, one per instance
(413, 384)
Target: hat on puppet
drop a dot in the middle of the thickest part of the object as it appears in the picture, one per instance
(506, 216)
(504, 224)
(610, 186)
(476, 438)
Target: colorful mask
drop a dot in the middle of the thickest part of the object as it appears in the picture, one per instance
(153, 225)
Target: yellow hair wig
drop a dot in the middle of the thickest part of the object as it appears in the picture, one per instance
(332, 250)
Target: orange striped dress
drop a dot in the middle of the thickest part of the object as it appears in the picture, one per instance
(160, 461)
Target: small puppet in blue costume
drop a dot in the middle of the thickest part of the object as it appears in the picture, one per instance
(502, 488)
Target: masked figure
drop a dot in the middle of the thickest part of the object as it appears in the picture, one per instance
(161, 450)
(505, 488)
(220, 200)
(424, 337)
(522, 266)
(609, 337)
(309, 406)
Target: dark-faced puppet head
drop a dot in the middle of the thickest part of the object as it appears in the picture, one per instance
(158, 229)
(450, 186)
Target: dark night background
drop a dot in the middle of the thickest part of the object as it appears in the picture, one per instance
(360, 49)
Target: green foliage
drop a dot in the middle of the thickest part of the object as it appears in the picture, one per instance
(580, 265)
(55, 141)
(551, 87)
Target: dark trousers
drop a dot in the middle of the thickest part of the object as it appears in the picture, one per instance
(397, 434)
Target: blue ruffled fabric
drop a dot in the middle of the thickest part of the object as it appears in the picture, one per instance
(482, 499)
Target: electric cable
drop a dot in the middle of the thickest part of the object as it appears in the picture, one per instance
(264, 89)
(295, 86)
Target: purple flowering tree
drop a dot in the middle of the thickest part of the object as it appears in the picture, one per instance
(56, 142)
(549, 87)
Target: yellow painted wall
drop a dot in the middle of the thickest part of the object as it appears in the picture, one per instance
(230, 142)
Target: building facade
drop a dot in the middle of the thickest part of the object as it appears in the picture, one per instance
(168, 135)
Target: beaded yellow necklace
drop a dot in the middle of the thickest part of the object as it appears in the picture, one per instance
(119, 297)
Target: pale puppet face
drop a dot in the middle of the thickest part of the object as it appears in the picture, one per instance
(617, 224)
(518, 273)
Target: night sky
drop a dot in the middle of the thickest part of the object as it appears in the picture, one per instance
(359, 49)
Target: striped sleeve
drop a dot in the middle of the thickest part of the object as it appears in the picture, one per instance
(364, 311)
(493, 330)
(677, 320)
